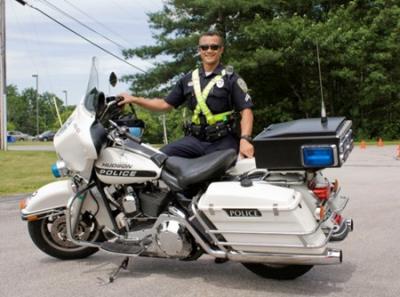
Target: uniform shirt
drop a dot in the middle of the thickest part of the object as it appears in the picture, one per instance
(230, 93)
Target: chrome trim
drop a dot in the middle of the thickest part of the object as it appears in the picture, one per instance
(43, 213)
(265, 233)
(305, 245)
(202, 223)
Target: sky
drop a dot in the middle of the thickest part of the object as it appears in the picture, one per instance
(62, 60)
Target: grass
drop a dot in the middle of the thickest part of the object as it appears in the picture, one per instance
(24, 171)
(30, 142)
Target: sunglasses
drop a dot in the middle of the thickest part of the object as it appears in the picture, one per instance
(213, 47)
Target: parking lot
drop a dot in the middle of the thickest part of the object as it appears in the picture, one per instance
(371, 264)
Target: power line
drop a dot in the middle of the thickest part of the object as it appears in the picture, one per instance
(96, 21)
(22, 2)
(90, 17)
(81, 23)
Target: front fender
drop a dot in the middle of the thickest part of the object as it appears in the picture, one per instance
(48, 198)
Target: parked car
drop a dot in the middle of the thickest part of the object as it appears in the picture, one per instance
(46, 136)
(18, 135)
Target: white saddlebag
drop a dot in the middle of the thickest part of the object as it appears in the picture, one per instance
(262, 218)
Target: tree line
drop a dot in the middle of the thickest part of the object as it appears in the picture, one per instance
(21, 110)
(273, 46)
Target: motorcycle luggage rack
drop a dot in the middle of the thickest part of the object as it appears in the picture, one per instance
(305, 245)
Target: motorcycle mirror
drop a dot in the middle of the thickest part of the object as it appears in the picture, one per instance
(113, 79)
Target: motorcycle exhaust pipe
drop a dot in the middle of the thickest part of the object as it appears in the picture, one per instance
(330, 256)
(350, 224)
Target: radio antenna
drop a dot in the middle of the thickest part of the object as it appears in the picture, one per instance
(324, 119)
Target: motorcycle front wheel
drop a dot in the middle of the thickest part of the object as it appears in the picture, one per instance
(279, 272)
(50, 236)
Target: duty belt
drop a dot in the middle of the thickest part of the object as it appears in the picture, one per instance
(209, 132)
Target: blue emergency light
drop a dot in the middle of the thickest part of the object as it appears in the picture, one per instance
(319, 155)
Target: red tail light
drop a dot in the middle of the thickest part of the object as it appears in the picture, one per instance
(322, 193)
(338, 219)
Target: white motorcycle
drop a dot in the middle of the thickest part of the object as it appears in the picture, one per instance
(275, 214)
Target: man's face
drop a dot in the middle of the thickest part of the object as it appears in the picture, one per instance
(210, 49)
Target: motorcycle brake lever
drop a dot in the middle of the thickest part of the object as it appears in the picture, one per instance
(123, 130)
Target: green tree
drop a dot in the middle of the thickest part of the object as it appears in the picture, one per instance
(21, 110)
(272, 44)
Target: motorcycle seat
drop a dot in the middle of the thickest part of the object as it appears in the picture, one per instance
(179, 173)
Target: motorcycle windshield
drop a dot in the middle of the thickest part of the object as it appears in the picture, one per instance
(74, 141)
(92, 87)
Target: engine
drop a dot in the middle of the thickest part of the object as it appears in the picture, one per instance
(173, 239)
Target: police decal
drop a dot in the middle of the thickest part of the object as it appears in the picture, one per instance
(242, 212)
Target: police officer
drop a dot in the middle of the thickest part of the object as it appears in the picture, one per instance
(214, 94)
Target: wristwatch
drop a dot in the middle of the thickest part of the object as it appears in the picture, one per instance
(247, 137)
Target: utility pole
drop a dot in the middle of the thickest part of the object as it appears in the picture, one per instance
(66, 97)
(3, 86)
(37, 102)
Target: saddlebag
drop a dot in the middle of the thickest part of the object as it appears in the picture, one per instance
(261, 218)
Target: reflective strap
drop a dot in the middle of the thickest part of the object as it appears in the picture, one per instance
(201, 97)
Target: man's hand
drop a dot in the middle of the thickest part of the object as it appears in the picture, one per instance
(127, 99)
(155, 104)
(246, 149)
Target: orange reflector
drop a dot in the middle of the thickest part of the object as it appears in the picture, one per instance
(322, 213)
(335, 186)
(32, 218)
(22, 204)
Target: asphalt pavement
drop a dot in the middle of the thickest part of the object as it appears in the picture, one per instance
(371, 263)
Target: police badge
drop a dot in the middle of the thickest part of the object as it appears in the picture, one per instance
(220, 83)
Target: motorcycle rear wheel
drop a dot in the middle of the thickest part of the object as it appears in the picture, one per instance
(50, 237)
(279, 272)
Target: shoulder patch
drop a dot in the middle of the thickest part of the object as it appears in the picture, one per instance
(242, 84)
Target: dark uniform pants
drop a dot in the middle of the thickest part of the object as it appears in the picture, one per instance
(192, 147)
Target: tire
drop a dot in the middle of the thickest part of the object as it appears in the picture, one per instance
(279, 272)
(50, 238)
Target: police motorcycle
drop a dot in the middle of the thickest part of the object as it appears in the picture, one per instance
(275, 214)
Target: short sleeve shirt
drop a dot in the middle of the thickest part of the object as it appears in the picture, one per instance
(230, 93)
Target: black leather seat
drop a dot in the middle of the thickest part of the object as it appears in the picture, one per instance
(179, 173)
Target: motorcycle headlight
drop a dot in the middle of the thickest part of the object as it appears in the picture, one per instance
(59, 169)
(319, 155)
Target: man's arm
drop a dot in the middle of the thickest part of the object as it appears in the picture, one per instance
(155, 104)
(246, 149)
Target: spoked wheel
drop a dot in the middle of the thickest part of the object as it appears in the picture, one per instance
(280, 272)
(50, 236)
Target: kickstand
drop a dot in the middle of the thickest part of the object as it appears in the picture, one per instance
(123, 265)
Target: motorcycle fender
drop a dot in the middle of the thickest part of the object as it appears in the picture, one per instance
(54, 197)
(48, 198)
